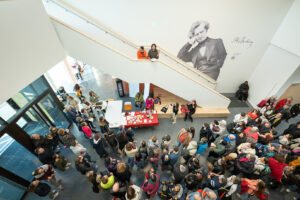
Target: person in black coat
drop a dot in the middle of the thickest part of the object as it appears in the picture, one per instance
(104, 125)
(206, 132)
(45, 155)
(192, 109)
(123, 172)
(112, 141)
(245, 164)
(92, 176)
(294, 130)
(38, 141)
(42, 189)
(193, 179)
(242, 93)
(193, 164)
(119, 190)
(295, 110)
(98, 144)
(83, 166)
(71, 114)
(179, 172)
(122, 140)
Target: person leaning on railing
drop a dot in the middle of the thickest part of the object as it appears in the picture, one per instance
(153, 52)
(142, 53)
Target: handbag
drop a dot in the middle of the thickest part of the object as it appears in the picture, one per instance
(164, 109)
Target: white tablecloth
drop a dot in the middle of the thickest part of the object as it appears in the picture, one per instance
(114, 114)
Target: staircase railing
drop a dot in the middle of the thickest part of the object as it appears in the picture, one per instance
(80, 14)
(134, 59)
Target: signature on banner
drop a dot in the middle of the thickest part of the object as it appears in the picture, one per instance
(246, 42)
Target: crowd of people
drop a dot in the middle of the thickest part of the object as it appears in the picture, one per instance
(242, 158)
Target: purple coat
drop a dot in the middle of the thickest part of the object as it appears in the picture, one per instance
(112, 167)
(152, 188)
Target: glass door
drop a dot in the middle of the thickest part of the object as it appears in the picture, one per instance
(32, 123)
(16, 158)
(53, 113)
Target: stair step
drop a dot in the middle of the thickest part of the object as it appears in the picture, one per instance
(168, 98)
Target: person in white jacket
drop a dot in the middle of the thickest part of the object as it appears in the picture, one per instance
(80, 150)
(232, 184)
(133, 193)
(241, 117)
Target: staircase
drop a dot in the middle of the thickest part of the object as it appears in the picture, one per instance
(88, 40)
(168, 98)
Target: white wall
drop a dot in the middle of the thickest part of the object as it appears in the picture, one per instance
(281, 60)
(294, 78)
(167, 23)
(60, 76)
(287, 35)
(28, 45)
(273, 70)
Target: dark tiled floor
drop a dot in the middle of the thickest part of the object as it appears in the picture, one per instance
(76, 185)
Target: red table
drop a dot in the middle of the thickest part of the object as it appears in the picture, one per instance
(139, 119)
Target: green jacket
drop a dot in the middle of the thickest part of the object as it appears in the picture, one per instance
(139, 99)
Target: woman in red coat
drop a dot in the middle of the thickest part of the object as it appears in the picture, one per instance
(278, 169)
(151, 186)
(282, 102)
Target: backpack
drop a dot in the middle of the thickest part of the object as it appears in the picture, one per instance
(182, 137)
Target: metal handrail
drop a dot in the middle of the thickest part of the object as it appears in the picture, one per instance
(69, 8)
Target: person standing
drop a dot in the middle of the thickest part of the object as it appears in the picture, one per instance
(73, 103)
(46, 172)
(94, 98)
(192, 109)
(242, 93)
(133, 193)
(151, 186)
(92, 177)
(78, 90)
(98, 144)
(175, 112)
(130, 150)
(149, 103)
(104, 125)
(42, 189)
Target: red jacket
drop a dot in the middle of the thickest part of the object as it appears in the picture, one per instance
(262, 104)
(87, 131)
(152, 188)
(281, 103)
(276, 168)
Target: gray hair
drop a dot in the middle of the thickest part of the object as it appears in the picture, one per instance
(196, 25)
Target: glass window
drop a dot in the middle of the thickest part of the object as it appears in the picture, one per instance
(16, 158)
(53, 112)
(31, 123)
(6, 111)
(1, 123)
(10, 191)
(39, 85)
